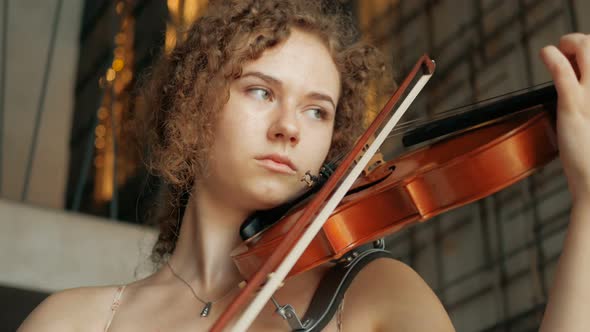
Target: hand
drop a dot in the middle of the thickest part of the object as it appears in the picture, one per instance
(569, 65)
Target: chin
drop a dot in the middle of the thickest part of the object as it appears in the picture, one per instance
(269, 195)
(266, 202)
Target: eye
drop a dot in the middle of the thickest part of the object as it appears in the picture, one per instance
(260, 93)
(317, 113)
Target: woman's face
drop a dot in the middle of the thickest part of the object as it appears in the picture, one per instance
(276, 125)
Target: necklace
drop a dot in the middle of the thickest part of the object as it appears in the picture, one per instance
(208, 304)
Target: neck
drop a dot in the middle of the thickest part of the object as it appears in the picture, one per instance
(208, 234)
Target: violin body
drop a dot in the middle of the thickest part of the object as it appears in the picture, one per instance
(417, 186)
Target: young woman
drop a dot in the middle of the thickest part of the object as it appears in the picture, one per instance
(258, 94)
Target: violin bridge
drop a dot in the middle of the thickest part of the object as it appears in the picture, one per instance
(375, 161)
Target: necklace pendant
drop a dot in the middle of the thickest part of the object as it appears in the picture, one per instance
(206, 309)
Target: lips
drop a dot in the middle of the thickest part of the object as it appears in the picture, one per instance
(277, 163)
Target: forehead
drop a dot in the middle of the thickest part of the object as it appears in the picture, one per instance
(301, 62)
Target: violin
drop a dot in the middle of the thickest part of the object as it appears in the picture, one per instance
(476, 154)
(459, 159)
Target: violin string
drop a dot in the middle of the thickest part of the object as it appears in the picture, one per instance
(403, 127)
(457, 110)
(464, 108)
(400, 131)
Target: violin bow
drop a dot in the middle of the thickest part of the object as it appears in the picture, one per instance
(275, 269)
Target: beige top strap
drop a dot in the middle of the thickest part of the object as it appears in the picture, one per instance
(339, 315)
(114, 306)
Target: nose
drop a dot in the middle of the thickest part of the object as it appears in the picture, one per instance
(284, 126)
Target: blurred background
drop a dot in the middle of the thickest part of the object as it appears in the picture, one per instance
(73, 191)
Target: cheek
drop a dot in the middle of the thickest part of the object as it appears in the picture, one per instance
(318, 150)
(234, 128)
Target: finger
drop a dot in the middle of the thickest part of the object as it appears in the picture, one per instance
(561, 70)
(576, 46)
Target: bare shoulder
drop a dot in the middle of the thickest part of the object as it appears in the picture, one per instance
(398, 297)
(76, 309)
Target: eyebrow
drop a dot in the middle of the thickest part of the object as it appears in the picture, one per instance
(272, 80)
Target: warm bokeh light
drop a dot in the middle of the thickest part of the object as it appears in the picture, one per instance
(111, 75)
(115, 105)
(120, 38)
(173, 6)
(191, 10)
(99, 143)
(100, 130)
(118, 64)
(119, 52)
(103, 113)
(182, 14)
(98, 162)
(120, 7)
(170, 42)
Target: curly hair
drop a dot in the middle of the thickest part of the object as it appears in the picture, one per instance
(187, 88)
